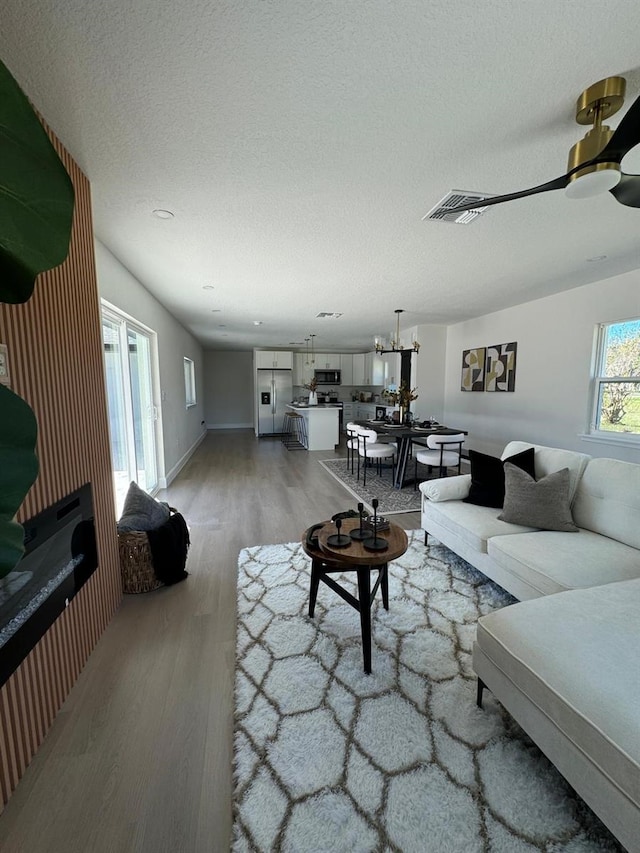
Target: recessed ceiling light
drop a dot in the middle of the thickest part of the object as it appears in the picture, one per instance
(257, 322)
(208, 287)
(597, 258)
(163, 214)
(216, 310)
(222, 325)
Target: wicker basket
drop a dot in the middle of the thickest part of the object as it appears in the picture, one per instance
(136, 567)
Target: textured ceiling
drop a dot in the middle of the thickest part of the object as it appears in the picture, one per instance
(299, 144)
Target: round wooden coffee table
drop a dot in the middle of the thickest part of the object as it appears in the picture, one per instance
(327, 559)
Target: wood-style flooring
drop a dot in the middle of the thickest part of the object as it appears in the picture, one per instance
(139, 758)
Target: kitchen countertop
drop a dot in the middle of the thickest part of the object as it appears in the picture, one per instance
(317, 406)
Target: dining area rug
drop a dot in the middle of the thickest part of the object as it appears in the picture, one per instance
(327, 758)
(390, 501)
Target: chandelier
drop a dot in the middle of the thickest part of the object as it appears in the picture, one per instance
(394, 339)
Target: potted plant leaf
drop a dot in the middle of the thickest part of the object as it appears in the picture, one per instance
(36, 212)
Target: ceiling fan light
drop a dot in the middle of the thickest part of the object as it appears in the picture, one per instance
(594, 180)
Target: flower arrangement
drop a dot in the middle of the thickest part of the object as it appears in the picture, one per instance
(312, 385)
(402, 397)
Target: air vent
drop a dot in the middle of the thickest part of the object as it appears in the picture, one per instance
(328, 315)
(457, 198)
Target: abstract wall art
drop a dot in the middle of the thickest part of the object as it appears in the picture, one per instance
(473, 368)
(500, 367)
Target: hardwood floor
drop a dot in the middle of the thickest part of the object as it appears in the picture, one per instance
(139, 758)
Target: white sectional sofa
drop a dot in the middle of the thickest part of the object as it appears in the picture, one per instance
(566, 662)
(527, 562)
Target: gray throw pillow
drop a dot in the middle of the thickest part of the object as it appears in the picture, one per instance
(543, 503)
(141, 511)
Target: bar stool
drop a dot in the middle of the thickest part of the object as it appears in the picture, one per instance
(295, 432)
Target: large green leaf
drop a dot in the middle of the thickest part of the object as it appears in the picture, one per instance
(36, 196)
(19, 469)
(36, 213)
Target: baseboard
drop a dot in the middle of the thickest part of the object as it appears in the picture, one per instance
(165, 482)
(230, 426)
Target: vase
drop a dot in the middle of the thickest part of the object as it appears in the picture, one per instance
(402, 411)
(313, 398)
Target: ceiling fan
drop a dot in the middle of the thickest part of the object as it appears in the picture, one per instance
(594, 161)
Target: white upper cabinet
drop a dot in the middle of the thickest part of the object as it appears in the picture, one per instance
(302, 372)
(279, 358)
(391, 368)
(327, 361)
(373, 369)
(346, 369)
(358, 369)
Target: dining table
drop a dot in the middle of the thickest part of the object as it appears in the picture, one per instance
(403, 435)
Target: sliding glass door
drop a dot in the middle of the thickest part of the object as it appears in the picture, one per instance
(132, 414)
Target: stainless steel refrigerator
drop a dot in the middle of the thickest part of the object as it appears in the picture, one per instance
(275, 389)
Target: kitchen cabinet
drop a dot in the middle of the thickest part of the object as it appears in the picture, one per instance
(327, 361)
(358, 369)
(346, 368)
(365, 411)
(302, 372)
(373, 369)
(348, 414)
(391, 369)
(278, 358)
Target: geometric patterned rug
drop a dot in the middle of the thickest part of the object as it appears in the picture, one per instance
(327, 758)
(390, 501)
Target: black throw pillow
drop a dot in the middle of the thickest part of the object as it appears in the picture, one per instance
(487, 476)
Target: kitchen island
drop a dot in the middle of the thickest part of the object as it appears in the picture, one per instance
(321, 423)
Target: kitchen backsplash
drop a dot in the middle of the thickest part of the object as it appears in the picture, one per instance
(344, 393)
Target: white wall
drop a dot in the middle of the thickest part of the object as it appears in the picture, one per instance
(428, 370)
(228, 389)
(182, 428)
(550, 404)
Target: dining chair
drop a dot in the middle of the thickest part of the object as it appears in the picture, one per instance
(443, 451)
(370, 449)
(352, 443)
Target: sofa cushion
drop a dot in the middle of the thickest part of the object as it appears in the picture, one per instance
(487, 476)
(550, 459)
(608, 500)
(543, 503)
(574, 655)
(550, 561)
(471, 523)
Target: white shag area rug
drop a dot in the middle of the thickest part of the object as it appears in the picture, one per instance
(327, 758)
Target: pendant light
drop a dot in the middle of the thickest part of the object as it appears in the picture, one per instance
(394, 338)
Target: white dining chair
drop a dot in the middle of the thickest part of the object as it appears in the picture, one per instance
(370, 450)
(443, 451)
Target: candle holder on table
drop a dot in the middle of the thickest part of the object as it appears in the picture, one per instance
(338, 540)
(360, 534)
(377, 543)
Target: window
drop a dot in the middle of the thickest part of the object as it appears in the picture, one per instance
(189, 382)
(617, 381)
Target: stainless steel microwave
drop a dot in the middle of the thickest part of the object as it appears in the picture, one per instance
(327, 377)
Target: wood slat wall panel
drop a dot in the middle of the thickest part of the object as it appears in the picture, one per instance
(55, 357)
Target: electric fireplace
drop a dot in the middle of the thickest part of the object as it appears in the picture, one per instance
(60, 556)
